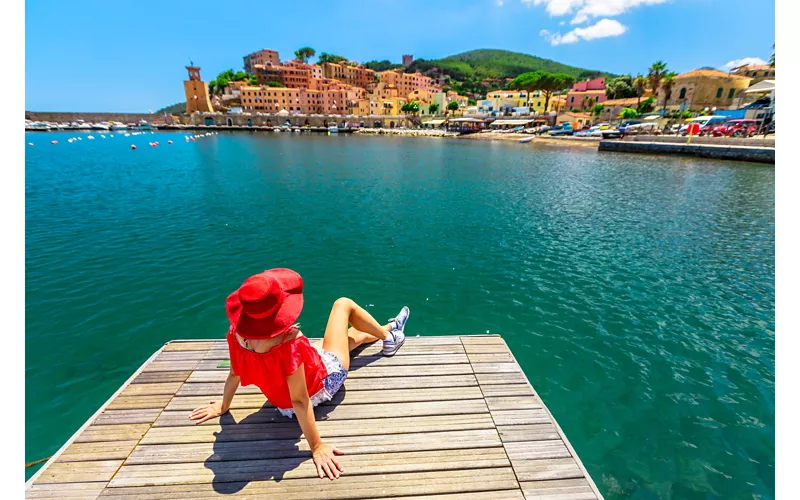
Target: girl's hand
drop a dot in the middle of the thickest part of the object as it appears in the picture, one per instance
(213, 410)
(326, 462)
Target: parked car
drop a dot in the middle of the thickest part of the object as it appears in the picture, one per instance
(593, 131)
(563, 129)
(703, 121)
(736, 128)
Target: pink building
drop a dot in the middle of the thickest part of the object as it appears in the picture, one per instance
(584, 95)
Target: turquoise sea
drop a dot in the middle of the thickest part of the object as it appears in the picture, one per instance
(637, 292)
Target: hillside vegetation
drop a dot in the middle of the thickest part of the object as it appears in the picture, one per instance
(498, 64)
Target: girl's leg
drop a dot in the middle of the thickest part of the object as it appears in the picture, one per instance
(344, 313)
(357, 337)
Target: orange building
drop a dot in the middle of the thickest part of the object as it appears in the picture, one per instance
(336, 99)
(407, 82)
(350, 74)
(196, 91)
(290, 75)
(265, 56)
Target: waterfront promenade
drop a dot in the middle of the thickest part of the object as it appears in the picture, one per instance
(461, 421)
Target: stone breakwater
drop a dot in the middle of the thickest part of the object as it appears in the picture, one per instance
(718, 152)
(406, 132)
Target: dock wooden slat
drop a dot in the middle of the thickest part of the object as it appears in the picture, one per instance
(447, 418)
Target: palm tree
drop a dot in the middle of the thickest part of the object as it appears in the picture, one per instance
(667, 83)
(639, 85)
(655, 74)
(772, 57)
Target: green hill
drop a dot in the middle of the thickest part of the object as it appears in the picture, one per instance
(178, 108)
(471, 68)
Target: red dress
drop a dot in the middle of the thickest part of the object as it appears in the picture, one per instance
(268, 370)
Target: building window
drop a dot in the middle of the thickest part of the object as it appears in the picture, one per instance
(573, 99)
(730, 93)
(719, 92)
(683, 93)
(766, 73)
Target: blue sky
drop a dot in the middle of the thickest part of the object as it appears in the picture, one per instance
(130, 56)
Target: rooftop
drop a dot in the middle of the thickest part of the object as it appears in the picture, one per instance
(707, 72)
(465, 424)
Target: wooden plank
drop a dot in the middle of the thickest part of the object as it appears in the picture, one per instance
(181, 356)
(564, 489)
(79, 472)
(490, 339)
(69, 491)
(507, 390)
(365, 383)
(106, 450)
(138, 416)
(171, 366)
(298, 468)
(343, 412)
(98, 433)
(151, 389)
(547, 469)
(485, 349)
(513, 403)
(499, 357)
(290, 448)
(190, 346)
(409, 349)
(374, 360)
(496, 368)
(140, 402)
(527, 432)
(533, 450)
(346, 487)
(483, 495)
(214, 432)
(515, 417)
(346, 397)
(162, 377)
(500, 378)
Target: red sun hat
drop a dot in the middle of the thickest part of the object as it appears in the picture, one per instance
(266, 304)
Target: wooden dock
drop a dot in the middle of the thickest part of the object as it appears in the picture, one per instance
(446, 418)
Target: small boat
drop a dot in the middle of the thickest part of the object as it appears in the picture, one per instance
(143, 125)
(526, 139)
(333, 129)
(118, 126)
(100, 126)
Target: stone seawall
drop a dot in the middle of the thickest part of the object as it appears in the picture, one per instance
(274, 120)
(719, 152)
(69, 117)
(712, 141)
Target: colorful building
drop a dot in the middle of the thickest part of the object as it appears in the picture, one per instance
(290, 75)
(704, 88)
(349, 73)
(196, 90)
(335, 100)
(264, 56)
(407, 82)
(584, 95)
(756, 72)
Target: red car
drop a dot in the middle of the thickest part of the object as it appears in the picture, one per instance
(736, 128)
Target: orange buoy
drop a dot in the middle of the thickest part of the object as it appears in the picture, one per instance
(53, 142)
(133, 146)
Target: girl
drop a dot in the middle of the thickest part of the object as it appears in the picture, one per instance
(268, 349)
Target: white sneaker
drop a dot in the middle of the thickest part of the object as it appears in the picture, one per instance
(393, 342)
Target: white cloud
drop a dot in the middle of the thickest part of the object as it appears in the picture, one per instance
(583, 9)
(742, 62)
(499, 3)
(602, 29)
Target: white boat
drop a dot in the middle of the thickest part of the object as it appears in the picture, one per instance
(526, 139)
(118, 126)
(100, 126)
(333, 129)
(84, 126)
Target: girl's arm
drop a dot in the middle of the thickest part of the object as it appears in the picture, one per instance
(216, 408)
(324, 455)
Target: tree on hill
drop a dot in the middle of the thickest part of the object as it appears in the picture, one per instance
(667, 84)
(655, 74)
(433, 108)
(597, 109)
(303, 53)
(330, 58)
(547, 83)
(628, 113)
(382, 65)
(452, 106)
(639, 85)
(620, 87)
(646, 106)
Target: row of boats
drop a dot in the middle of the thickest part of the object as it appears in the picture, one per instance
(34, 126)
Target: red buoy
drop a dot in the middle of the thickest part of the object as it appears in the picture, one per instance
(169, 142)
(133, 146)
(53, 142)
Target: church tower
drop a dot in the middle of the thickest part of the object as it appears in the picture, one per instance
(196, 90)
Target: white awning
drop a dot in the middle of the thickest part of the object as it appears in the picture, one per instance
(434, 122)
(511, 122)
(468, 120)
(761, 87)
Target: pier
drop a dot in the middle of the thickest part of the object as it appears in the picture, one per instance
(450, 417)
(722, 151)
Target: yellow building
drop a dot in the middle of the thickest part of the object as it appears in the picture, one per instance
(385, 99)
(704, 88)
(196, 90)
(756, 72)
